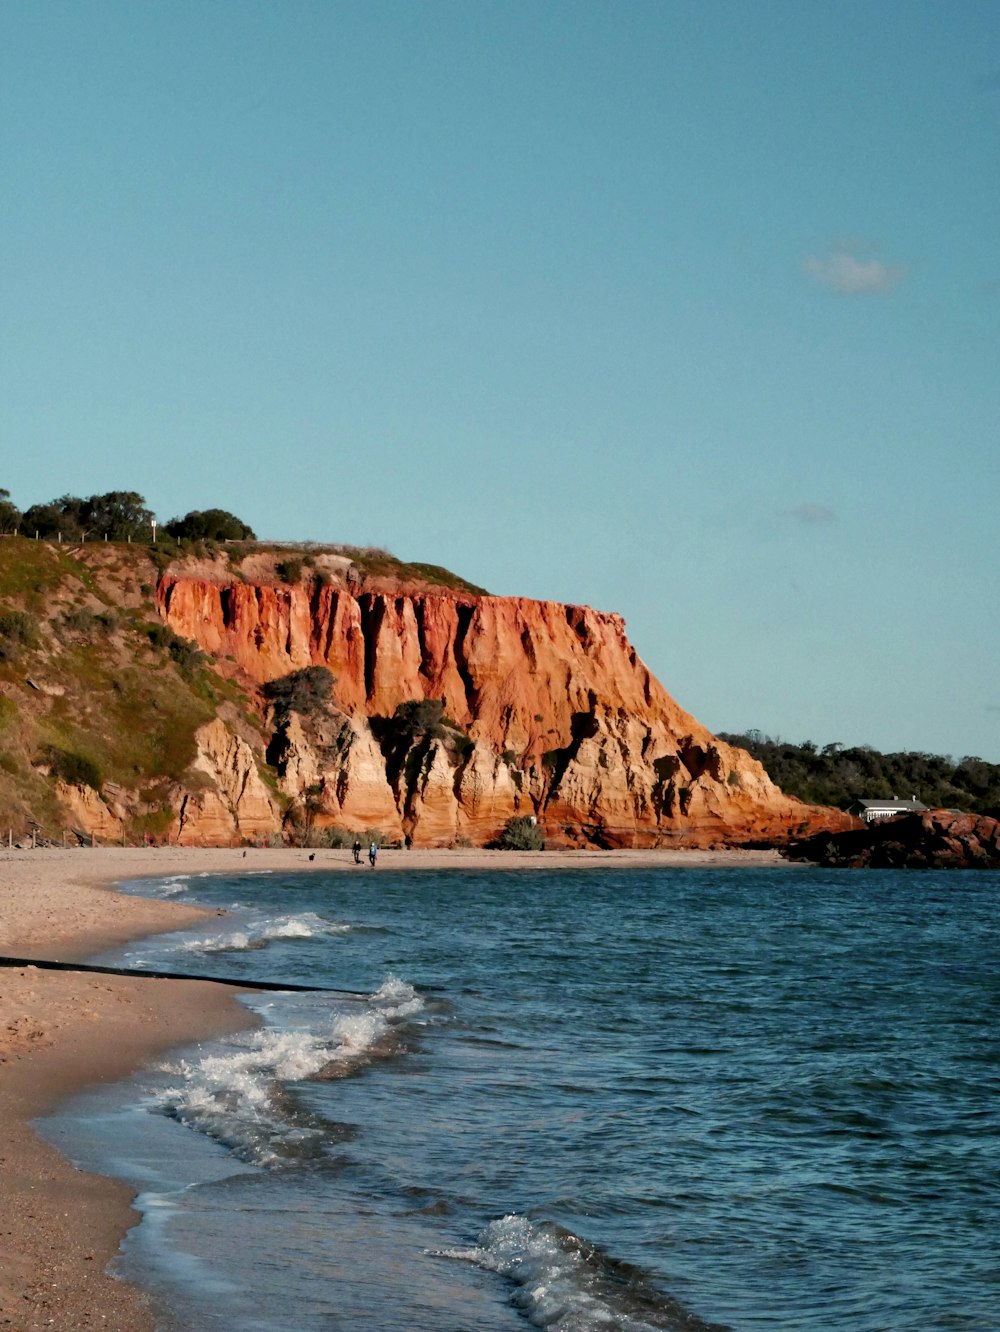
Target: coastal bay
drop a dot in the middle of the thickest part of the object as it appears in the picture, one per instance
(764, 1096)
(62, 1031)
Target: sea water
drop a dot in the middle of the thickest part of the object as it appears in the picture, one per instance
(575, 1100)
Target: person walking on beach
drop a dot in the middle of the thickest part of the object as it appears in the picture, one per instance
(373, 854)
(357, 850)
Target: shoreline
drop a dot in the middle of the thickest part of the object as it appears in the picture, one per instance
(63, 1031)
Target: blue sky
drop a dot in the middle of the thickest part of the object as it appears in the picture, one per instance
(684, 310)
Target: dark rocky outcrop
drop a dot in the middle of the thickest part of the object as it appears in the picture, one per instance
(936, 839)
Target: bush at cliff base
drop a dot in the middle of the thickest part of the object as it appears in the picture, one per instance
(520, 834)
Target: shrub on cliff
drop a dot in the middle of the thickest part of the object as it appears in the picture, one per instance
(408, 737)
(18, 629)
(412, 727)
(10, 514)
(303, 691)
(290, 570)
(75, 769)
(419, 717)
(210, 525)
(520, 833)
(183, 652)
(84, 621)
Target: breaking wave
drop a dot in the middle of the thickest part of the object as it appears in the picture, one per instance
(168, 887)
(260, 932)
(241, 1098)
(562, 1282)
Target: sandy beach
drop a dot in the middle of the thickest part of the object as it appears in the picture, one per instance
(60, 1031)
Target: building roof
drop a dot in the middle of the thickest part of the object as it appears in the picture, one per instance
(914, 806)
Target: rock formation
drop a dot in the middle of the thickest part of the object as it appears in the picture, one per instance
(935, 839)
(232, 801)
(532, 708)
(88, 812)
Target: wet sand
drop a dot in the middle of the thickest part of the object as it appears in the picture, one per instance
(60, 1031)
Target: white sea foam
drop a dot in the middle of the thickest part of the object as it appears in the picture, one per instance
(237, 1096)
(560, 1282)
(257, 933)
(235, 942)
(169, 887)
(397, 998)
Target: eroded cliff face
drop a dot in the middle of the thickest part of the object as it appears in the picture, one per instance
(232, 801)
(550, 713)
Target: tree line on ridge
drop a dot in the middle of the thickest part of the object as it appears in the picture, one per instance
(837, 776)
(118, 515)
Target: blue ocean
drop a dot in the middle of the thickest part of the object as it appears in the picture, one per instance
(574, 1100)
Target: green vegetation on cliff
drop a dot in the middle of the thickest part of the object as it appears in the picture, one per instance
(837, 776)
(210, 524)
(120, 515)
(520, 834)
(380, 564)
(94, 691)
(123, 516)
(101, 701)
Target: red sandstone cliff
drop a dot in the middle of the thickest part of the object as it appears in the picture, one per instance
(556, 716)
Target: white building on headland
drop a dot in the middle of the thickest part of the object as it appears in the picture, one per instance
(871, 810)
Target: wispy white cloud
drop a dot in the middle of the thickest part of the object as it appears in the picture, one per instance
(848, 269)
(811, 513)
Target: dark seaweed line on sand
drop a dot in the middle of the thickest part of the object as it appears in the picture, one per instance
(45, 964)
